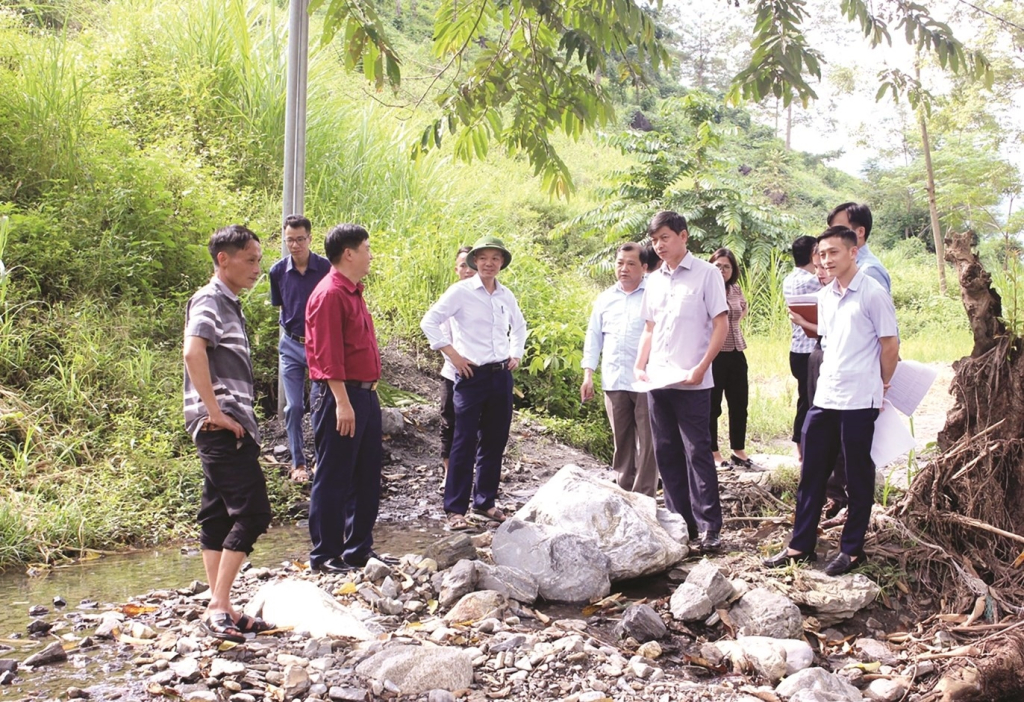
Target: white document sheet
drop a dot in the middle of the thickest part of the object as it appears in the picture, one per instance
(660, 377)
(909, 384)
(892, 438)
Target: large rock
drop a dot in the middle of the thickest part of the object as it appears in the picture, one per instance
(765, 656)
(690, 603)
(771, 658)
(458, 581)
(305, 607)
(418, 669)
(624, 524)
(708, 578)
(473, 607)
(833, 599)
(567, 567)
(762, 612)
(642, 623)
(513, 583)
(675, 525)
(450, 550)
(816, 683)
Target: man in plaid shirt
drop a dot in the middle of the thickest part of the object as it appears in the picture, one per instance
(801, 281)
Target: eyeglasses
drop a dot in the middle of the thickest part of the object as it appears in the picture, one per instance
(296, 242)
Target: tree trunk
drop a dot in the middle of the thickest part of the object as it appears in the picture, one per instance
(789, 127)
(933, 210)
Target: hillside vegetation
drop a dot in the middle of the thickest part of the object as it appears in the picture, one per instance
(132, 129)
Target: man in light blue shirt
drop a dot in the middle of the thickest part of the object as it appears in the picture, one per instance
(858, 218)
(613, 335)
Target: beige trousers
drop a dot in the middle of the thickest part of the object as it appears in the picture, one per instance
(634, 450)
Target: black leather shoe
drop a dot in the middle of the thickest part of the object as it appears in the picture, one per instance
(361, 561)
(334, 565)
(784, 558)
(843, 563)
(710, 541)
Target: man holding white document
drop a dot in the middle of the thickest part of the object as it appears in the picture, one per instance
(857, 322)
(684, 307)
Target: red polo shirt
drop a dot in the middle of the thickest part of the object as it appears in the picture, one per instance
(340, 341)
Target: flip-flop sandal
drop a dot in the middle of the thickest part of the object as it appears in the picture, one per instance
(457, 522)
(494, 514)
(252, 625)
(299, 475)
(221, 626)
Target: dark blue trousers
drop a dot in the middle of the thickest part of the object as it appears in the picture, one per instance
(483, 415)
(346, 485)
(682, 448)
(827, 435)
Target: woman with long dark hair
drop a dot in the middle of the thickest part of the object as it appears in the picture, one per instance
(730, 367)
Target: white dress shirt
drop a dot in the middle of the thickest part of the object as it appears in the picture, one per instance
(613, 336)
(682, 303)
(851, 324)
(485, 327)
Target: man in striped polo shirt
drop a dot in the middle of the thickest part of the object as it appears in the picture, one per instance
(219, 417)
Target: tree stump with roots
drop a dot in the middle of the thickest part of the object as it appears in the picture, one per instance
(965, 509)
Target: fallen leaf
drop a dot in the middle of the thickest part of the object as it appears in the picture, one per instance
(348, 588)
(134, 610)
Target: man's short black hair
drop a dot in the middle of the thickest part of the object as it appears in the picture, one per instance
(632, 246)
(859, 216)
(667, 218)
(463, 250)
(803, 250)
(844, 233)
(230, 239)
(341, 237)
(296, 221)
(650, 258)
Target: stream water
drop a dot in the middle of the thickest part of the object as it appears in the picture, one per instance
(116, 579)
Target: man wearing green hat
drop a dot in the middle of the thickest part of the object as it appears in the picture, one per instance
(491, 332)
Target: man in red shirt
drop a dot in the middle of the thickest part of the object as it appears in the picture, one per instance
(344, 365)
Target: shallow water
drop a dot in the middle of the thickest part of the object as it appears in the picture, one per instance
(118, 578)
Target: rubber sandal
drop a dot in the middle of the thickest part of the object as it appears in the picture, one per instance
(494, 514)
(457, 522)
(742, 462)
(299, 475)
(221, 626)
(252, 625)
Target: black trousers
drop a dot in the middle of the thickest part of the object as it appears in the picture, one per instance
(235, 508)
(682, 447)
(730, 373)
(798, 368)
(447, 417)
(830, 433)
(345, 498)
(836, 489)
(483, 416)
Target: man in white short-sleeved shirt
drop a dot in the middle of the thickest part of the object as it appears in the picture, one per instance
(857, 323)
(491, 330)
(685, 311)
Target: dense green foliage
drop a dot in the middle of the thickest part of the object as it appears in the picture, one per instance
(132, 129)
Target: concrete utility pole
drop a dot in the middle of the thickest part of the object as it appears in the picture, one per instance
(294, 131)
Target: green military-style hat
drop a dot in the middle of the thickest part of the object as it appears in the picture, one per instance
(488, 242)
